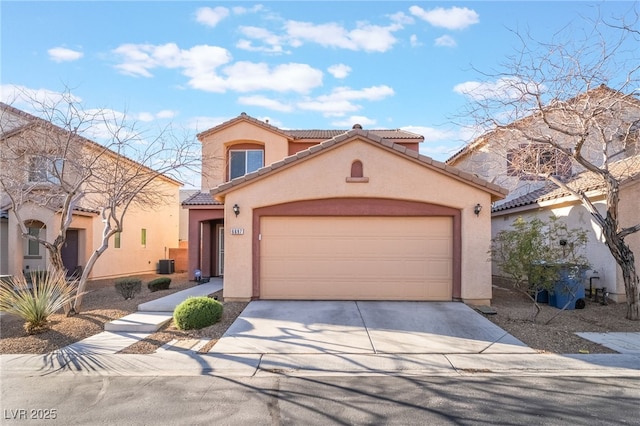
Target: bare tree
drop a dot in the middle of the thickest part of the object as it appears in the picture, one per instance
(76, 174)
(571, 105)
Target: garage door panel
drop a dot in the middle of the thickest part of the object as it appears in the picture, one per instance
(364, 258)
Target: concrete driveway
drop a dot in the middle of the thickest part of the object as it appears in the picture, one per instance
(345, 327)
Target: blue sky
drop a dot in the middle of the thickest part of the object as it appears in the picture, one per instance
(300, 64)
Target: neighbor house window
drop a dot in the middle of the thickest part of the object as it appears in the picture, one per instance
(245, 161)
(535, 161)
(116, 239)
(45, 169)
(33, 248)
(143, 237)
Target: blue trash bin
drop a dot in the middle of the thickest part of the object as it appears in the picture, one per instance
(569, 288)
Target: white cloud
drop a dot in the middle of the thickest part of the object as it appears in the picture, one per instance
(446, 41)
(414, 41)
(265, 36)
(504, 88)
(23, 97)
(342, 100)
(370, 38)
(352, 120)
(62, 54)
(211, 16)
(240, 10)
(430, 134)
(201, 63)
(292, 77)
(454, 18)
(150, 116)
(265, 102)
(339, 70)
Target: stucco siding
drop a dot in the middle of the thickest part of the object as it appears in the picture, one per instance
(390, 176)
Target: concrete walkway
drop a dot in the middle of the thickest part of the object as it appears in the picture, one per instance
(129, 329)
(333, 338)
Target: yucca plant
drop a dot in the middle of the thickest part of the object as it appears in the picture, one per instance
(36, 301)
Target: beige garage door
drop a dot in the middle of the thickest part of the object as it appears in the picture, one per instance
(356, 258)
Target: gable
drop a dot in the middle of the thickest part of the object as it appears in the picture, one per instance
(388, 170)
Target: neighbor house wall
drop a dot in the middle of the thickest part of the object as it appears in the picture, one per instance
(574, 215)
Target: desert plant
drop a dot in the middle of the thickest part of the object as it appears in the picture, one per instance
(161, 283)
(530, 254)
(36, 299)
(197, 312)
(128, 287)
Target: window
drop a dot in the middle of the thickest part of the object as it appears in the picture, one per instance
(116, 239)
(33, 248)
(143, 237)
(534, 161)
(242, 162)
(44, 169)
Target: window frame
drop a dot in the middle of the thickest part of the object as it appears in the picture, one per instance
(246, 169)
(544, 156)
(44, 169)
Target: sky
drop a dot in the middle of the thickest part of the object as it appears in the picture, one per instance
(299, 64)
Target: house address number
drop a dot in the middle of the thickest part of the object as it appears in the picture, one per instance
(237, 231)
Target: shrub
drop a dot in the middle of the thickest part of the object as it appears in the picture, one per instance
(159, 284)
(128, 287)
(36, 299)
(197, 312)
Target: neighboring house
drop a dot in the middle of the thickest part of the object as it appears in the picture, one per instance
(506, 158)
(552, 200)
(337, 215)
(147, 234)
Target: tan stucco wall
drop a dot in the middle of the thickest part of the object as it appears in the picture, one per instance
(162, 231)
(214, 165)
(630, 216)
(390, 176)
(596, 251)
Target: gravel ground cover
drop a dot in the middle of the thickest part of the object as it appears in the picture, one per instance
(513, 312)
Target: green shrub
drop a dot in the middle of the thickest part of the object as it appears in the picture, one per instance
(159, 284)
(128, 287)
(35, 300)
(197, 312)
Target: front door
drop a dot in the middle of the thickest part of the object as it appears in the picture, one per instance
(69, 251)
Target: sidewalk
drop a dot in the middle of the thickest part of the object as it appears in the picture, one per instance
(97, 354)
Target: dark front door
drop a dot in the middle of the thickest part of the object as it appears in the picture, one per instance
(70, 251)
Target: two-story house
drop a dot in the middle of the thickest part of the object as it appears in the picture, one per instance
(337, 215)
(34, 168)
(517, 158)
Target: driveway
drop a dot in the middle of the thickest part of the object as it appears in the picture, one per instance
(345, 327)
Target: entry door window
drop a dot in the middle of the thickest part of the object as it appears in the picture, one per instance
(220, 250)
(242, 162)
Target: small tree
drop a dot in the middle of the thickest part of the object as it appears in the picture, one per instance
(108, 178)
(571, 102)
(529, 253)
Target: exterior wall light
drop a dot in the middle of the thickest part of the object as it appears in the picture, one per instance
(236, 209)
(477, 209)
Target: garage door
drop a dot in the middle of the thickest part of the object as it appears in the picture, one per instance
(356, 258)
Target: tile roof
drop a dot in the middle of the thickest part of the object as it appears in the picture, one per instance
(623, 170)
(313, 134)
(371, 137)
(201, 199)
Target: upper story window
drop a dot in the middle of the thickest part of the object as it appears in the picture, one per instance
(244, 161)
(45, 169)
(534, 161)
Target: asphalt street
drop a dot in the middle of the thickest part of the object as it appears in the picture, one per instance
(280, 400)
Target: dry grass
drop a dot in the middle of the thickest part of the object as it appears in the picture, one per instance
(104, 304)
